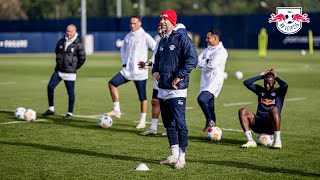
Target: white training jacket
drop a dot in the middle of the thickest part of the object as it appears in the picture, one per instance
(155, 82)
(134, 49)
(212, 61)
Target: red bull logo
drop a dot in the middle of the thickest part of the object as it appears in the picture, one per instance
(268, 101)
(289, 19)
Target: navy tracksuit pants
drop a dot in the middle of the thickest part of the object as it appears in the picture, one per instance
(206, 102)
(173, 112)
(53, 83)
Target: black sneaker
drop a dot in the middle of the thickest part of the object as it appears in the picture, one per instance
(47, 113)
(209, 125)
(67, 116)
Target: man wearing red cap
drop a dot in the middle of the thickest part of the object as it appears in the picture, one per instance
(175, 58)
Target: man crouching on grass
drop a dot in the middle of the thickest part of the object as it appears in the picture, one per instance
(270, 102)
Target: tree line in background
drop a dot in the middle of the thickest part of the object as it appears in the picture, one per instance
(61, 9)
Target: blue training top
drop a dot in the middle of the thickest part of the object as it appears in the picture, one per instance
(267, 99)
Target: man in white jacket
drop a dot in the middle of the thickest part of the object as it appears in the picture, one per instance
(134, 49)
(212, 61)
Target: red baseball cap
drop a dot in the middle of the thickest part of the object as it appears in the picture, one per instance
(171, 15)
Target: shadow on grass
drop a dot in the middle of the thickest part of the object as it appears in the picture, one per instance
(223, 141)
(235, 164)
(79, 151)
(261, 168)
(93, 125)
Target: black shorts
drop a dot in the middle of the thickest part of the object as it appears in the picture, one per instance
(155, 94)
(119, 79)
(262, 125)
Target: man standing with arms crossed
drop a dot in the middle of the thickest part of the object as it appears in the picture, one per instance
(175, 58)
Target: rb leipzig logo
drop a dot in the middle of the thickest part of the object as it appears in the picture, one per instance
(289, 19)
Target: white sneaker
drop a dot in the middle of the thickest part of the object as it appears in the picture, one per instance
(180, 164)
(164, 134)
(114, 113)
(170, 160)
(277, 145)
(149, 132)
(141, 125)
(249, 144)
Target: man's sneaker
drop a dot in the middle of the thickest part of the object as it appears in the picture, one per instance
(170, 160)
(180, 164)
(67, 116)
(114, 113)
(249, 144)
(141, 125)
(209, 125)
(48, 112)
(277, 145)
(164, 133)
(149, 132)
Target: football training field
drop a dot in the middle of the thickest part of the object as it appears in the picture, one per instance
(54, 148)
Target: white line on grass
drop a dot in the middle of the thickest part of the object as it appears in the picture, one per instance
(235, 130)
(245, 103)
(147, 122)
(7, 83)
(19, 122)
(296, 99)
(6, 110)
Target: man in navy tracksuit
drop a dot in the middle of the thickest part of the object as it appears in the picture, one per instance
(175, 58)
(270, 102)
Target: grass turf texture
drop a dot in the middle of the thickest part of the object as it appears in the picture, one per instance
(80, 149)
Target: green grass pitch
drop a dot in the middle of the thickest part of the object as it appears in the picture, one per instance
(54, 148)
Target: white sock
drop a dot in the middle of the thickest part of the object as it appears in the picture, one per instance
(248, 135)
(70, 113)
(116, 106)
(175, 151)
(154, 124)
(143, 118)
(277, 134)
(51, 108)
(182, 155)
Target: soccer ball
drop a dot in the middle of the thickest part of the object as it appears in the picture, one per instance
(214, 134)
(289, 17)
(19, 113)
(265, 139)
(30, 115)
(105, 122)
(238, 74)
(303, 52)
(225, 75)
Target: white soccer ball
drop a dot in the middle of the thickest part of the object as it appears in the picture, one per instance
(303, 52)
(30, 115)
(214, 134)
(19, 113)
(105, 122)
(238, 74)
(265, 139)
(225, 75)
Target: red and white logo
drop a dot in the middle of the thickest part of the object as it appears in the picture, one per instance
(289, 19)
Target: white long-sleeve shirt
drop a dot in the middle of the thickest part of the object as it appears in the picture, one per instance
(155, 82)
(212, 61)
(135, 48)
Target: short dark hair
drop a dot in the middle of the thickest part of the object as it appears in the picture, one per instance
(138, 17)
(269, 75)
(214, 32)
